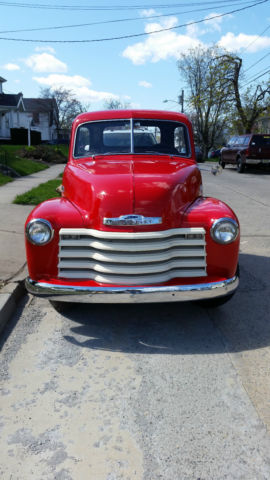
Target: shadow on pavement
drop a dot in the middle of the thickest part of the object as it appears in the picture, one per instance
(180, 328)
(264, 171)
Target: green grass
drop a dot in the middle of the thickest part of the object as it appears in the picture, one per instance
(39, 194)
(63, 148)
(4, 179)
(23, 166)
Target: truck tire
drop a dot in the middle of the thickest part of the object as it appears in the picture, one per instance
(221, 162)
(240, 165)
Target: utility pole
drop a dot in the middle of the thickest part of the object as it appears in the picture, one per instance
(181, 101)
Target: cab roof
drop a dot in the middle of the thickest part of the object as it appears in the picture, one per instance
(123, 114)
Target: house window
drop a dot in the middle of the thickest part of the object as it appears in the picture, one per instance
(36, 117)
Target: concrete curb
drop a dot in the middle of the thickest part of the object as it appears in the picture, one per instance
(10, 295)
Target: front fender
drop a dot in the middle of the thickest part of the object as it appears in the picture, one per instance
(61, 213)
(222, 260)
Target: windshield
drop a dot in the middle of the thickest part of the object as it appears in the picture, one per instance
(131, 136)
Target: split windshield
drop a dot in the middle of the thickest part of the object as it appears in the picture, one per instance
(131, 136)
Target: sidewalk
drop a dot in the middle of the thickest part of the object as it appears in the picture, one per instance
(12, 218)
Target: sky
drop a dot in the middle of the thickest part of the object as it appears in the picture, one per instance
(106, 49)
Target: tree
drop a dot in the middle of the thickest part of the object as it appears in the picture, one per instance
(253, 102)
(112, 104)
(210, 94)
(68, 106)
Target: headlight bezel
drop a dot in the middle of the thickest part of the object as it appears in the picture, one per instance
(217, 224)
(45, 223)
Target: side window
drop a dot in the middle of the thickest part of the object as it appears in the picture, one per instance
(180, 141)
(231, 141)
(255, 140)
(82, 141)
(260, 140)
(246, 140)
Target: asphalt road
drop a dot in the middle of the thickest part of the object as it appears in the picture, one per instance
(147, 392)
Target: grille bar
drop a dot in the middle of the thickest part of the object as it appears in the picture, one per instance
(132, 258)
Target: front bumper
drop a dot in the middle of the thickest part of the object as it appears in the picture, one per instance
(177, 293)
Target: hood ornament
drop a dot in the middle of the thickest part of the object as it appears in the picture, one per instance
(130, 220)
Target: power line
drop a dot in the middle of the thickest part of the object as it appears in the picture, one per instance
(102, 8)
(259, 76)
(252, 79)
(257, 38)
(258, 61)
(119, 20)
(138, 34)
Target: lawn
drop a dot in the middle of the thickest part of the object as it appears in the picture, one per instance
(44, 191)
(4, 179)
(23, 166)
(27, 160)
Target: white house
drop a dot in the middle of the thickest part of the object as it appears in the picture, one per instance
(38, 114)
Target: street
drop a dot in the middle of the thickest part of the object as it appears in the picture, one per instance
(147, 392)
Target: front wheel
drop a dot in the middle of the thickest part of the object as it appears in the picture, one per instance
(217, 302)
(221, 163)
(240, 165)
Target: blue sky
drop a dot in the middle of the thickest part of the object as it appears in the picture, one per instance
(141, 70)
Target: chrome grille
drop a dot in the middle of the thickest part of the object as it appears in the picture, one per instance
(124, 258)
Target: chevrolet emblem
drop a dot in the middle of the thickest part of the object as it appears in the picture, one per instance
(130, 220)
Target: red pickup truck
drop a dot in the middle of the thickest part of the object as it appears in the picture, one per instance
(245, 150)
(132, 224)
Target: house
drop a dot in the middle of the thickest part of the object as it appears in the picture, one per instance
(42, 113)
(263, 124)
(36, 114)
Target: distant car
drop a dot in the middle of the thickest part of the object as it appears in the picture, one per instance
(132, 224)
(199, 154)
(245, 150)
(214, 153)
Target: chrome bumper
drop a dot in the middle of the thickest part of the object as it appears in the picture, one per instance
(251, 161)
(178, 293)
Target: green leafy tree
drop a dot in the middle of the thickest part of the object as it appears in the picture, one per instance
(210, 94)
(250, 104)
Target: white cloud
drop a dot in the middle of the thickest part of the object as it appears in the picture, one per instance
(160, 46)
(192, 30)
(80, 86)
(45, 49)
(11, 66)
(45, 62)
(252, 43)
(148, 12)
(213, 24)
(145, 84)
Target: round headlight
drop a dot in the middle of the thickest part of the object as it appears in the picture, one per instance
(224, 230)
(39, 231)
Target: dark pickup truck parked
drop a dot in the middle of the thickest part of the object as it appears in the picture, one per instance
(244, 150)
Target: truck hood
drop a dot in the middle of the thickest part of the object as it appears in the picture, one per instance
(111, 186)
